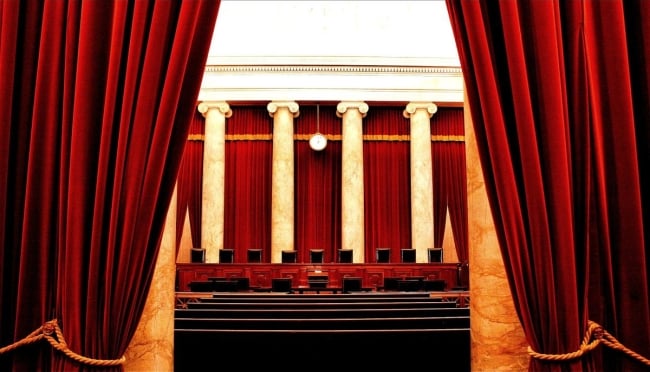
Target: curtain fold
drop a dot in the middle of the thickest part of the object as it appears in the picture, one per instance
(190, 182)
(559, 98)
(97, 102)
(248, 171)
(318, 184)
(450, 178)
(387, 182)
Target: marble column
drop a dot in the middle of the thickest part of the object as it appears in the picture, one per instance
(352, 198)
(282, 184)
(497, 338)
(214, 161)
(152, 345)
(422, 201)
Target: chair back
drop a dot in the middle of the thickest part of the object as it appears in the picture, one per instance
(383, 255)
(408, 255)
(226, 256)
(345, 255)
(316, 256)
(289, 256)
(197, 255)
(254, 255)
(435, 255)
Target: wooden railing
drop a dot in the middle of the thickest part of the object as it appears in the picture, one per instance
(261, 274)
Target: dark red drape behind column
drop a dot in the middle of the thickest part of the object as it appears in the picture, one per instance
(559, 99)
(387, 180)
(97, 98)
(247, 204)
(318, 183)
(449, 178)
(190, 182)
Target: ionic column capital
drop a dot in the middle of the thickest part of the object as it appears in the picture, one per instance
(412, 107)
(292, 106)
(344, 106)
(222, 106)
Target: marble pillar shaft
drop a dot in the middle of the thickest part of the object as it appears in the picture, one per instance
(422, 226)
(282, 189)
(214, 161)
(352, 196)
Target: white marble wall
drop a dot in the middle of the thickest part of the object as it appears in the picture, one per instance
(152, 346)
(498, 341)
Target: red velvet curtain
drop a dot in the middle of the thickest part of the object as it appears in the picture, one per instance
(190, 182)
(559, 101)
(247, 192)
(449, 178)
(387, 181)
(97, 98)
(317, 183)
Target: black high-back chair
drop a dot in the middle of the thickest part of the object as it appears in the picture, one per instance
(226, 256)
(345, 255)
(383, 255)
(254, 255)
(408, 255)
(197, 255)
(435, 255)
(316, 255)
(289, 256)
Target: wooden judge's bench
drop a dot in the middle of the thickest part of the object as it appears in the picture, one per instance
(373, 275)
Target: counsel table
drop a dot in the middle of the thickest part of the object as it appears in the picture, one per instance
(303, 289)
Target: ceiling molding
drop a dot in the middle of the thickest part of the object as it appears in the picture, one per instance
(264, 82)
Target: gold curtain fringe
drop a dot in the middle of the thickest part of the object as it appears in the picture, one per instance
(447, 138)
(249, 137)
(594, 336)
(196, 137)
(331, 137)
(45, 332)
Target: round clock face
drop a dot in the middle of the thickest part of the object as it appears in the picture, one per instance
(318, 142)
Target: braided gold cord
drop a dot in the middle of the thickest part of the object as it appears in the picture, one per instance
(32, 338)
(45, 332)
(594, 336)
(612, 342)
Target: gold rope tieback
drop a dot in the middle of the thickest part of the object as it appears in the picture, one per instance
(45, 332)
(594, 336)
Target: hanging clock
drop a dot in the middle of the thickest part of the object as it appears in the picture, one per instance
(317, 142)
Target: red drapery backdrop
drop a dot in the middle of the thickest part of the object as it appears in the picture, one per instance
(449, 178)
(97, 98)
(247, 192)
(190, 183)
(387, 180)
(559, 100)
(317, 183)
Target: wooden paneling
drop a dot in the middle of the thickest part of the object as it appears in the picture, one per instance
(260, 275)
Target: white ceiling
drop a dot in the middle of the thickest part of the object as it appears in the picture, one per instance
(397, 32)
(333, 50)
